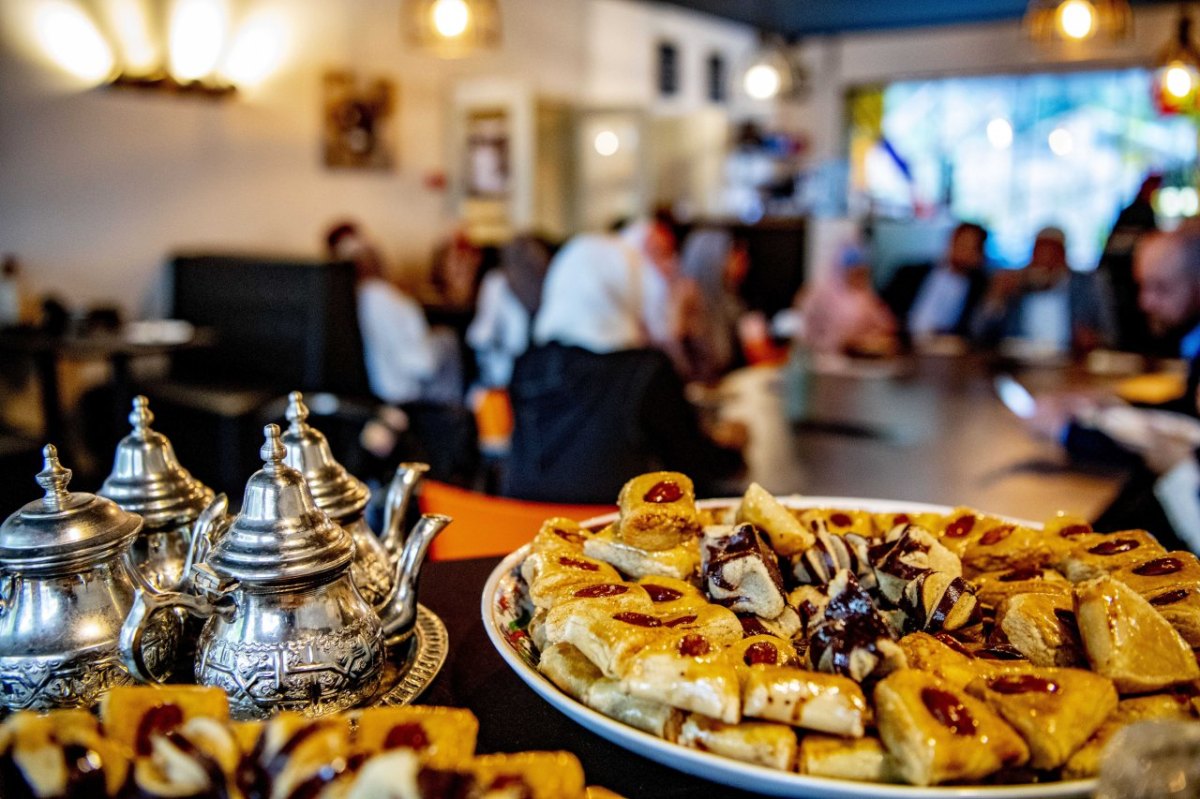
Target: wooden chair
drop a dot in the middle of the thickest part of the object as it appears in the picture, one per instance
(486, 525)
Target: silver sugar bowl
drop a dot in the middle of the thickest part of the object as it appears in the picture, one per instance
(67, 581)
(147, 479)
(344, 498)
(286, 627)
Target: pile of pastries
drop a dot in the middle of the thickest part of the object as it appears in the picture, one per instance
(886, 647)
(179, 742)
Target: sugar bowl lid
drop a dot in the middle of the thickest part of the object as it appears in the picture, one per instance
(147, 478)
(281, 536)
(64, 529)
(335, 490)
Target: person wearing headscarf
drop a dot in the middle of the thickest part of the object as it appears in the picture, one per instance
(508, 299)
(593, 404)
(716, 265)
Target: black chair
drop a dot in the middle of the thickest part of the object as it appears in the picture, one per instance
(281, 324)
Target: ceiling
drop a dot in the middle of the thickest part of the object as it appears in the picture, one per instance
(806, 17)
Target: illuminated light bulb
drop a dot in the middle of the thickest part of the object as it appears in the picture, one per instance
(606, 143)
(762, 81)
(197, 38)
(139, 53)
(1061, 142)
(1077, 19)
(450, 17)
(1000, 133)
(72, 41)
(1177, 81)
(257, 50)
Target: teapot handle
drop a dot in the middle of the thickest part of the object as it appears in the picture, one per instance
(208, 527)
(9, 583)
(147, 602)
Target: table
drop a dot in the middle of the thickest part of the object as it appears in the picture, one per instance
(118, 350)
(928, 429)
(512, 717)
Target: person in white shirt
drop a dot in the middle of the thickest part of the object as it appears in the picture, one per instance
(508, 299)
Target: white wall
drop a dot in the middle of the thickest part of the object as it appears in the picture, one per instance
(97, 187)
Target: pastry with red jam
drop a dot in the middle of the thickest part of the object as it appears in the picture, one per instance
(758, 742)
(1012, 546)
(684, 669)
(741, 572)
(1181, 607)
(939, 734)
(1097, 554)
(657, 511)
(1127, 640)
(402, 774)
(435, 732)
(839, 521)
(787, 534)
(1054, 710)
(131, 714)
(1172, 570)
(555, 576)
(993, 588)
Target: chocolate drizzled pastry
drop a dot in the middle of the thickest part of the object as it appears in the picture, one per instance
(741, 572)
(936, 601)
(908, 552)
(852, 638)
(195, 761)
(830, 553)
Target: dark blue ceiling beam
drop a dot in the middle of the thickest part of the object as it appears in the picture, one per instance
(809, 17)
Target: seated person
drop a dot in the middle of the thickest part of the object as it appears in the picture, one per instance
(1167, 268)
(409, 366)
(716, 263)
(1046, 302)
(842, 313)
(593, 405)
(940, 298)
(508, 299)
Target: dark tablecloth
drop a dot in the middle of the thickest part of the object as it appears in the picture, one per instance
(511, 716)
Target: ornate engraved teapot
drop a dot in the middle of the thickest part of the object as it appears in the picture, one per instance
(67, 581)
(287, 629)
(344, 498)
(148, 480)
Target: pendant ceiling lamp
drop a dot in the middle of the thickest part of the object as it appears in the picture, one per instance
(1177, 77)
(1078, 20)
(774, 71)
(452, 28)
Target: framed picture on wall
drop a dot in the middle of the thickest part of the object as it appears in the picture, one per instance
(357, 128)
(487, 167)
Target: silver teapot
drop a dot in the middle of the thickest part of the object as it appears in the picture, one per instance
(344, 498)
(286, 627)
(147, 479)
(67, 581)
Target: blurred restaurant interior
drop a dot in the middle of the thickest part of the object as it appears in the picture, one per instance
(934, 262)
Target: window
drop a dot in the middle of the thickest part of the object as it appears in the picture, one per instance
(668, 69)
(718, 80)
(1017, 153)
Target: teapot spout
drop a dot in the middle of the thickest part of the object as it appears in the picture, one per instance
(399, 611)
(399, 496)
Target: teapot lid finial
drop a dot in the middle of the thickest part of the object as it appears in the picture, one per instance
(272, 451)
(53, 478)
(297, 413)
(141, 417)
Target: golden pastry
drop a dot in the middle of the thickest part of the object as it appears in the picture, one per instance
(940, 734)
(1181, 607)
(130, 714)
(1128, 641)
(1168, 707)
(1097, 554)
(680, 561)
(761, 743)
(808, 699)
(1012, 546)
(865, 759)
(1172, 570)
(992, 588)
(788, 536)
(657, 511)
(839, 521)
(1054, 710)
(435, 732)
(1043, 628)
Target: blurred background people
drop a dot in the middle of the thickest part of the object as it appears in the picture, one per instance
(668, 302)
(843, 314)
(940, 298)
(509, 298)
(1046, 303)
(716, 262)
(1116, 266)
(593, 404)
